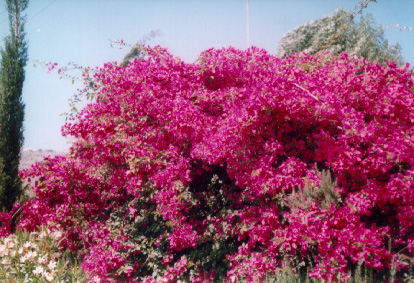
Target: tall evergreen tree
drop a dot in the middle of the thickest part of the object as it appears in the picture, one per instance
(338, 33)
(13, 60)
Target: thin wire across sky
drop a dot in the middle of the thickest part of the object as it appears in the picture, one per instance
(41, 10)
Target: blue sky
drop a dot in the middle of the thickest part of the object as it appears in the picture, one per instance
(79, 31)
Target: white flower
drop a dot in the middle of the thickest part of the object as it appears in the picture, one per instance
(52, 265)
(23, 258)
(56, 255)
(31, 255)
(6, 241)
(21, 250)
(13, 254)
(57, 234)
(10, 245)
(42, 260)
(49, 277)
(26, 245)
(38, 270)
(2, 250)
(6, 261)
(42, 234)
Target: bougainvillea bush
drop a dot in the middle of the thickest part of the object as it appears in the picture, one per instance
(231, 167)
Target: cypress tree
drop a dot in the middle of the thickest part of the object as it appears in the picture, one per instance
(13, 60)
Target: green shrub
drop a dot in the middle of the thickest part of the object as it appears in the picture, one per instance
(36, 257)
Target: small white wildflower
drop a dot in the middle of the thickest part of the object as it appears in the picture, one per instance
(49, 277)
(3, 250)
(13, 253)
(21, 250)
(10, 245)
(57, 234)
(6, 261)
(38, 270)
(23, 258)
(52, 265)
(26, 245)
(53, 272)
(33, 245)
(31, 255)
(6, 241)
(56, 255)
(42, 260)
(42, 235)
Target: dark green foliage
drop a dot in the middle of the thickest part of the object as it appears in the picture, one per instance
(14, 58)
(148, 231)
(136, 50)
(134, 53)
(338, 33)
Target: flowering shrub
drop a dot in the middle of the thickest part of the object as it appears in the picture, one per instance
(227, 168)
(6, 219)
(35, 257)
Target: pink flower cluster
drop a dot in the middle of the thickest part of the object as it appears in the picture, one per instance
(200, 166)
(6, 219)
(51, 66)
